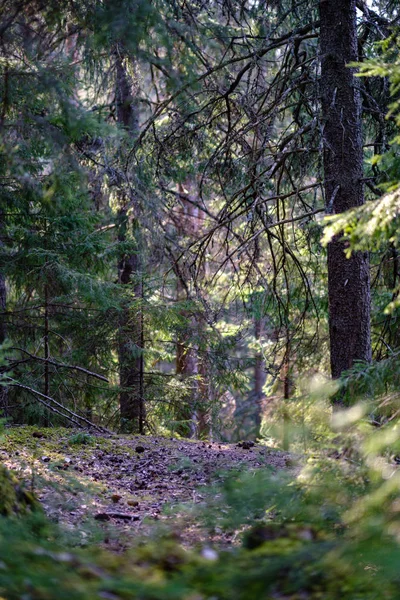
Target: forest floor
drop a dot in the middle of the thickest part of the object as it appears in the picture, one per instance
(111, 489)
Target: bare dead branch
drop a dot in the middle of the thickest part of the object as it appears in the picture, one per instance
(62, 365)
(71, 416)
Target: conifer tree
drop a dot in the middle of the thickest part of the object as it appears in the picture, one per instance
(348, 278)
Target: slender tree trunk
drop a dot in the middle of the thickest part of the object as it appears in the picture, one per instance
(130, 331)
(259, 372)
(3, 306)
(46, 349)
(259, 378)
(287, 390)
(189, 221)
(46, 341)
(187, 367)
(205, 393)
(348, 279)
(3, 330)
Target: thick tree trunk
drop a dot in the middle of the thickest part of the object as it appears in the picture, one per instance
(130, 331)
(348, 279)
(130, 349)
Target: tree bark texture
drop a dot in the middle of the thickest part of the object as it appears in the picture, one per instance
(130, 330)
(348, 279)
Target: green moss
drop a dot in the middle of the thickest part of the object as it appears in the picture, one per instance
(14, 497)
(81, 439)
(53, 442)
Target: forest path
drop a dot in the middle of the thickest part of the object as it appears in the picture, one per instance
(110, 488)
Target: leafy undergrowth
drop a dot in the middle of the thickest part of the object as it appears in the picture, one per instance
(240, 527)
(288, 565)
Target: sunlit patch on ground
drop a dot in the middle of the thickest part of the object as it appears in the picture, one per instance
(109, 489)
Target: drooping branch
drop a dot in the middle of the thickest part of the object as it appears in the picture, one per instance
(70, 416)
(301, 33)
(62, 365)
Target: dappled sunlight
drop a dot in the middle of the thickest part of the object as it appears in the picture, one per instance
(125, 481)
(199, 300)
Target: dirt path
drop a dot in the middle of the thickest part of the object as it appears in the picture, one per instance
(115, 487)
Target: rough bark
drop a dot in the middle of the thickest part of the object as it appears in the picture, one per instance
(130, 330)
(348, 279)
(130, 348)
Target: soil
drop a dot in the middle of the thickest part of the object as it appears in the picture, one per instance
(112, 488)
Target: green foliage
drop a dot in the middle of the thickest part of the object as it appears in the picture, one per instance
(376, 223)
(226, 129)
(14, 497)
(328, 529)
(369, 227)
(81, 439)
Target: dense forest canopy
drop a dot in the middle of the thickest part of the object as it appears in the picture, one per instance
(166, 169)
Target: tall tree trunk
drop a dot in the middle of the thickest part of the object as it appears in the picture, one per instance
(130, 349)
(348, 279)
(3, 306)
(46, 341)
(3, 330)
(130, 331)
(287, 390)
(4, 412)
(189, 220)
(187, 367)
(259, 372)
